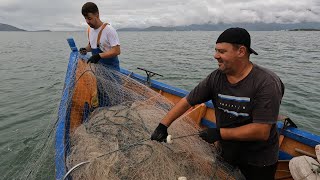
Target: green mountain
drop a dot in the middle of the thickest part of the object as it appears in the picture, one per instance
(6, 27)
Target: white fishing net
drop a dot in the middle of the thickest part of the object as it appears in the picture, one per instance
(114, 142)
(105, 122)
(36, 159)
(117, 143)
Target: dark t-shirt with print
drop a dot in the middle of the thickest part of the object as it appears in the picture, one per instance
(256, 99)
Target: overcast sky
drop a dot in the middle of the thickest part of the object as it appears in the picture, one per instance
(66, 14)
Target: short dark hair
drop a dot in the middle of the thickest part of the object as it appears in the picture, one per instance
(237, 46)
(89, 7)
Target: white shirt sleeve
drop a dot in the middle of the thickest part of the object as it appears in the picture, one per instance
(112, 37)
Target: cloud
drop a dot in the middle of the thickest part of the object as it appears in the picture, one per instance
(66, 14)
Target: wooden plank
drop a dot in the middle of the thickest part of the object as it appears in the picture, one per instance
(85, 91)
(172, 98)
(283, 171)
(288, 145)
(210, 115)
(197, 113)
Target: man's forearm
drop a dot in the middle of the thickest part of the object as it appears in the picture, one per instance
(113, 52)
(88, 48)
(249, 132)
(181, 107)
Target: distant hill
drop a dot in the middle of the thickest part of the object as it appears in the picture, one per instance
(42, 31)
(221, 27)
(304, 30)
(6, 27)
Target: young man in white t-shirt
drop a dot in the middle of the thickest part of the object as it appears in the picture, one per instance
(103, 38)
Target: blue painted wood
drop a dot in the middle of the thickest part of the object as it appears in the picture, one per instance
(300, 135)
(156, 84)
(284, 156)
(62, 125)
(72, 45)
(207, 123)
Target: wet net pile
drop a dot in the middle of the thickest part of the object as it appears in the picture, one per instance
(114, 139)
(103, 129)
(116, 142)
(112, 119)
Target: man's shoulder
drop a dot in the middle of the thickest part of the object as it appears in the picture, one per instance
(214, 74)
(212, 79)
(109, 28)
(266, 77)
(264, 74)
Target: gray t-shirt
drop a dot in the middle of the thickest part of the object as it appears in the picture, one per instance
(257, 99)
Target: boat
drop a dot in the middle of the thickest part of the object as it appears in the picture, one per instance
(293, 141)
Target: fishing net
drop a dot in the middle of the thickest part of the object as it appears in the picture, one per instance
(32, 155)
(114, 140)
(110, 133)
(103, 129)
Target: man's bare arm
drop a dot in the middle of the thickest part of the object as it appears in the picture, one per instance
(249, 132)
(181, 107)
(113, 52)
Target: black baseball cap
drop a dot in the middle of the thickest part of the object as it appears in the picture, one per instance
(236, 36)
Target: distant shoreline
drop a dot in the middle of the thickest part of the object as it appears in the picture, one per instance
(40, 31)
(304, 30)
(306, 26)
(222, 27)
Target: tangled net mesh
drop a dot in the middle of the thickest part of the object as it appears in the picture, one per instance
(123, 131)
(113, 139)
(103, 129)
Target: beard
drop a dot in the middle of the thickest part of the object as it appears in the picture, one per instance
(224, 67)
(221, 65)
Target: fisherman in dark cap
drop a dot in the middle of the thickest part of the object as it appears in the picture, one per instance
(246, 98)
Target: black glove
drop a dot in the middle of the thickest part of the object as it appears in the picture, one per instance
(94, 59)
(210, 135)
(83, 51)
(160, 133)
